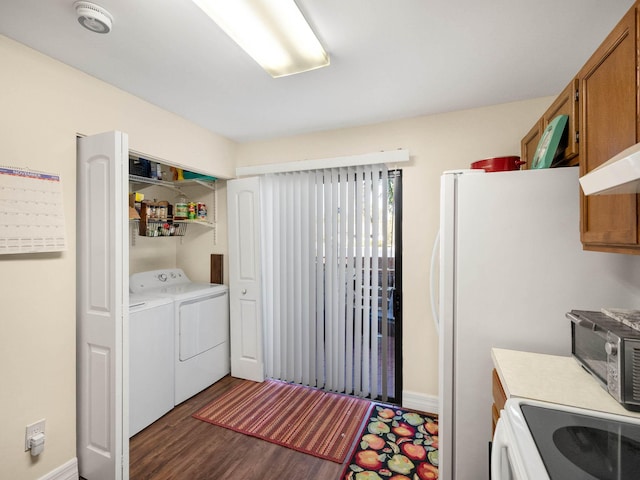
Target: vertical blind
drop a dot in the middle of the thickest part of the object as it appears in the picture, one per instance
(325, 260)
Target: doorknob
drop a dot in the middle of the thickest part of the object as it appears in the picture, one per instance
(244, 291)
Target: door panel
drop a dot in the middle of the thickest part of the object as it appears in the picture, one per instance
(245, 279)
(202, 326)
(102, 307)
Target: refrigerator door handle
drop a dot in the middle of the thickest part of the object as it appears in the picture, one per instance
(432, 284)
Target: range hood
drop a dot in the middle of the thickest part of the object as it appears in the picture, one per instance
(617, 176)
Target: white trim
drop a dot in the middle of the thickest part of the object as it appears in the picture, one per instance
(393, 156)
(420, 401)
(67, 471)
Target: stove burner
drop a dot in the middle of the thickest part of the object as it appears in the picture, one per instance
(605, 455)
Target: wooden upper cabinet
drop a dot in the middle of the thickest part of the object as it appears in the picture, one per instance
(566, 104)
(529, 144)
(608, 125)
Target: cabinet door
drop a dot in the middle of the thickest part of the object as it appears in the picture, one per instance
(499, 398)
(566, 104)
(608, 126)
(529, 144)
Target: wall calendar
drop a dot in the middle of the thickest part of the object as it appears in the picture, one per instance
(31, 212)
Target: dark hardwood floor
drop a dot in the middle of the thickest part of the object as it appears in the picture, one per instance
(178, 446)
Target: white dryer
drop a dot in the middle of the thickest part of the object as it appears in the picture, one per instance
(201, 327)
(151, 359)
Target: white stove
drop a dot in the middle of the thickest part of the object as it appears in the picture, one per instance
(545, 441)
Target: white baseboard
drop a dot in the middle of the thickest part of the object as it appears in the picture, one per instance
(67, 471)
(420, 401)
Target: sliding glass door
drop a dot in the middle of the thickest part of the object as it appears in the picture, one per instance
(391, 364)
(330, 265)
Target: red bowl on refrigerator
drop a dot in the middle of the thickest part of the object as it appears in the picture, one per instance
(498, 164)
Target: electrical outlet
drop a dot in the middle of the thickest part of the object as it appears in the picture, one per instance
(32, 430)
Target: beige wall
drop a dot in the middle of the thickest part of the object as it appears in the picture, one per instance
(191, 252)
(43, 104)
(435, 143)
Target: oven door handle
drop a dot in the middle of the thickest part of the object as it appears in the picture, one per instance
(583, 322)
(507, 462)
(499, 453)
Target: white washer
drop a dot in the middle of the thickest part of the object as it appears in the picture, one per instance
(201, 327)
(151, 359)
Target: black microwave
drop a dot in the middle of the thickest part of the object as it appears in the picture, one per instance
(610, 351)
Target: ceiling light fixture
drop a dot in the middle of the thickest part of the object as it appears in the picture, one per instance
(93, 17)
(273, 32)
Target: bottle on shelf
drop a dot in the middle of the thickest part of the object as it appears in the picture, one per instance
(181, 209)
(192, 211)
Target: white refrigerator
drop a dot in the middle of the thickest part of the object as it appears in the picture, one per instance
(511, 265)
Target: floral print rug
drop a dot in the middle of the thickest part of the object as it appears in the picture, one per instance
(395, 444)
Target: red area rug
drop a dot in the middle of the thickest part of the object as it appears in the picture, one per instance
(395, 444)
(306, 419)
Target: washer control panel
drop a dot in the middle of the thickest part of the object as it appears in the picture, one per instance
(154, 279)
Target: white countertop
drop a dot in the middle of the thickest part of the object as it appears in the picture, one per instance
(554, 379)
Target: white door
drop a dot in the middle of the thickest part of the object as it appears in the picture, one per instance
(245, 286)
(102, 307)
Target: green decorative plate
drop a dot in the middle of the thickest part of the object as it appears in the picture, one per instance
(548, 144)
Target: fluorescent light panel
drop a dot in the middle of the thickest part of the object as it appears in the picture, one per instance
(273, 32)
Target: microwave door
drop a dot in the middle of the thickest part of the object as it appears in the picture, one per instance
(588, 346)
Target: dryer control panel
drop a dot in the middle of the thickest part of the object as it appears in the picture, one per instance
(155, 279)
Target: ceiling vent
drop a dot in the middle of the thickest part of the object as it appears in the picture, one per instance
(93, 17)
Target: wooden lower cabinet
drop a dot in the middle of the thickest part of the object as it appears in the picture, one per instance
(608, 125)
(499, 399)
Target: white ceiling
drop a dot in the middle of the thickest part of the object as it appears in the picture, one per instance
(390, 59)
